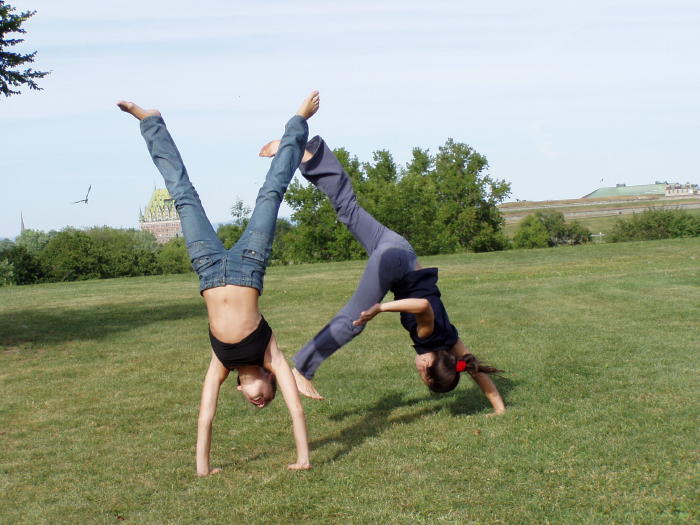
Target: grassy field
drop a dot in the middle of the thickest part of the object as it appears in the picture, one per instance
(100, 385)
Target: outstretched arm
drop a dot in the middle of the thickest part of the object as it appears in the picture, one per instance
(419, 307)
(216, 375)
(277, 364)
(484, 381)
(488, 387)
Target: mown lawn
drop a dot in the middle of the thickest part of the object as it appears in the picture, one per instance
(100, 387)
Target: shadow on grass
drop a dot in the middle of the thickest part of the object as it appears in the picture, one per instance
(377, 418)
(467, 401)
(46, 326)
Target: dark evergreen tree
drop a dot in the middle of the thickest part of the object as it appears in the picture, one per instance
(11, 74)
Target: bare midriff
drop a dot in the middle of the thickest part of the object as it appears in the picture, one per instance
(233, 311)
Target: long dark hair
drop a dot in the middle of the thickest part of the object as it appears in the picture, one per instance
(443, 375)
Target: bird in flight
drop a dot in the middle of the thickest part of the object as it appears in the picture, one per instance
(85, 200)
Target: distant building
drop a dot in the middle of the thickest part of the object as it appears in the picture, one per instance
(160, 217)
(681, 190)
(622, 190)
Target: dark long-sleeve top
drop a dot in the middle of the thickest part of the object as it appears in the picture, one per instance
(422, 284)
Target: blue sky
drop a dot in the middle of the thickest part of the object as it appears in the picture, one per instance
(557, 94)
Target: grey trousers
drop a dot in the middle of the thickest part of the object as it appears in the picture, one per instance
(390, 256)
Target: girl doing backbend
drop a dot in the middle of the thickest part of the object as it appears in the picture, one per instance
(392, 266)
(231, 281)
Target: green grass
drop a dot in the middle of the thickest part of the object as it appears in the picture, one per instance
(100, 385)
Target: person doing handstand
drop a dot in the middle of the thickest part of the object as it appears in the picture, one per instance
(231, 281)
(392, 266)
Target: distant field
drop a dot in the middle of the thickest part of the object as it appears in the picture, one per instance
(100, 385)
(595, 224)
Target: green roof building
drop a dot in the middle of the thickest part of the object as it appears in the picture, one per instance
(622, 190)
(160, 217)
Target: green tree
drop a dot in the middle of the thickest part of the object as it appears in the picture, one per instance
(26, 268)
(125, 253)
(576, 233)
(417, 206)
(34, 240)
(173, 257)
(549, 228)
(230, 233)
(468, 196)
(280, 243)
(6, 272)
(5, 245)
(240, 212)
(440, 204)
(145, 240)
(377, 189)
(656, 224)
(71, 255)
(318, 235)
(531, 233)
(10, 76)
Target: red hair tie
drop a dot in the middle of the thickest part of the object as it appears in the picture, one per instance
(460, 366)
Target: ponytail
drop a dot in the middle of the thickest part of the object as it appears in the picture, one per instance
(444, 375)
(470, 364)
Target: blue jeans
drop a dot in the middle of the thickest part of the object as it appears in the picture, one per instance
(245, 263)
(390, 257)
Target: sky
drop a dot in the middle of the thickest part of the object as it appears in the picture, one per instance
(561, 96)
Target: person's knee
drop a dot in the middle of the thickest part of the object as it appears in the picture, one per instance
(356, 330)
(343, 330)
(183, 194)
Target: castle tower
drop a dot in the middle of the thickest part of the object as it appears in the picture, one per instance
(160, 217)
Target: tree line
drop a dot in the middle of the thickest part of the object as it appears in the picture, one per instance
(95, 253)
(442, 203)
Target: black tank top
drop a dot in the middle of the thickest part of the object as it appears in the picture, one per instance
(249, 351)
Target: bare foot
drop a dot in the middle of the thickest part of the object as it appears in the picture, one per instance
(211, 472)
(309, 106)
(498, 412)
(299, 466)
(137, 111)
(270, 150)
(305, 387)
